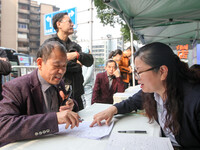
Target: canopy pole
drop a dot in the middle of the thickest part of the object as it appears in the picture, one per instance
(91, 24)
(132, 64)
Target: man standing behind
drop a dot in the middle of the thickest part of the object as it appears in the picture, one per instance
(5, 68)
(76, 58)
(124, 66)
(107, 83)
(29, 108)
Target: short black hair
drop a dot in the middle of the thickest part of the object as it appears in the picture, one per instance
(129, 48)
(114, 53)
(58, 17)
(46, 49)
(110, 61)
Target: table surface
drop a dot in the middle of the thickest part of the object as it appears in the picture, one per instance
(130, 91)
(131, 121)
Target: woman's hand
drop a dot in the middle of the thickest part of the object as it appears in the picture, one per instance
(104, 115)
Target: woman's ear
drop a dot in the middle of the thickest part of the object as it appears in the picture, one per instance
(163, 72)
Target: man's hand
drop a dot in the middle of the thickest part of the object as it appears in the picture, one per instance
(72, 55)
(116, 73)
(131, 70)
(1, 58)
(69, 105)
(104, 115)
(78, 62)
(69, 118)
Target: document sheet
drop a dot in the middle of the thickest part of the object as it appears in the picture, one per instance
(85, 131)
(120, 141)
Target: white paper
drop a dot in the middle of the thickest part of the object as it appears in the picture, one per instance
(85, 131)
(120, 141)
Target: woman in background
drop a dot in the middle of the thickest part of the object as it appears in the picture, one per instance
(170, 95)
(116, 55)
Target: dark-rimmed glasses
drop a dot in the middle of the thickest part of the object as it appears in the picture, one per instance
(137, 74)
(70, 21)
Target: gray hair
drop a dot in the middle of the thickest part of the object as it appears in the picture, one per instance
(46, 49)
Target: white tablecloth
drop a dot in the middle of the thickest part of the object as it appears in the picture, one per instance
(63, 142)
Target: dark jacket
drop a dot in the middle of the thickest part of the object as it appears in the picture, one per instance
(102, 93)
(189, 134)
(73, 75)
(5, 68)
(22, 113)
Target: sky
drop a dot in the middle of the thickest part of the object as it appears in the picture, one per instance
(83, 29)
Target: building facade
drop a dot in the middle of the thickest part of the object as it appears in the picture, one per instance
(21, 24)
(102, 48)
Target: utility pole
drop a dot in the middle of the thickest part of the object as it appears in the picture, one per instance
(132, 63)
(91, 24)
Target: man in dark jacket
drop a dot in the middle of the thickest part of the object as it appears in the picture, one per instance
(5, 68)
(76, 58)
(107, 83)
(30, 104)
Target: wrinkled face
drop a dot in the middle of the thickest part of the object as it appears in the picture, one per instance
(117, 58)
(110, 68)
(150, 81)
(66, 25)
(54, 68)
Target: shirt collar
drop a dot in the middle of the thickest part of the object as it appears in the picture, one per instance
(44, 83)
(158, 99)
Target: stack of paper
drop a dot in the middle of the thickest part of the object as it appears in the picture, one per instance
(85, 131)
(118, 97)
(119, 141)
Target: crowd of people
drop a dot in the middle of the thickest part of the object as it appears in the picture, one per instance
(33, 105)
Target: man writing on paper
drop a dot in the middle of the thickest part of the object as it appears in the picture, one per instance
(30, 104)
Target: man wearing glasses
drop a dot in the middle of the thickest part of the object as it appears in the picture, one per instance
(76, 58)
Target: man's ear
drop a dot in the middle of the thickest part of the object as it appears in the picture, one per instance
(39, 63)
(58, 24)
(163, 72)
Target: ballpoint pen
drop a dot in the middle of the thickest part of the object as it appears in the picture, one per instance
(133, 131)
(80, 119)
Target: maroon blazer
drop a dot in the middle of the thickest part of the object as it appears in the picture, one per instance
(21, 111)
(102, 93)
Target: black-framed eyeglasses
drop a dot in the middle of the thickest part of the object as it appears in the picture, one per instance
(70, 21)
(137, 74)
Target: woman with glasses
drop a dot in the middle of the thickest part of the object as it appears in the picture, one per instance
(170, 95)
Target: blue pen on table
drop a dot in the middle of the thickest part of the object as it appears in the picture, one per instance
(134, 131)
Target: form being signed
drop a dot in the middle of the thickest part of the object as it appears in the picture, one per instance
(85, 131)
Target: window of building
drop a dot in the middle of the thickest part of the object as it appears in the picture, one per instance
(22, 26)
(23, 16)
(23, 44)
(22, 35)
(22, 6)
(35, 9)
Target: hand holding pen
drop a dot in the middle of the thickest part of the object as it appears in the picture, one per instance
(67, 105)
